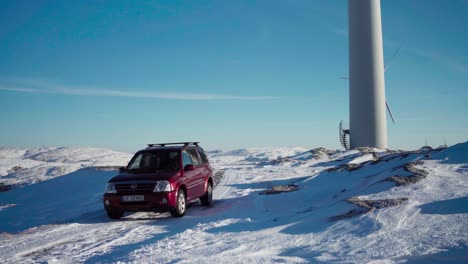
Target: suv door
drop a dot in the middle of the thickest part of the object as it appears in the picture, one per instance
(205, 165)
(191, 178)
(199, 188)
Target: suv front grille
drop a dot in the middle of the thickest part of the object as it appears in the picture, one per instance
(135, 187)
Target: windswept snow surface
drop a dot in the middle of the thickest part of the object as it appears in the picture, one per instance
(62, 219)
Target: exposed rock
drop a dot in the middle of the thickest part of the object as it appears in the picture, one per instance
(349, 214)
(348, 167)
(416, 175)
(319, 153)
(367, 206)
(277, 161)
(366, 150)
(5, 187)
(107, 168)
(217, 177)
(281, 189)
(376, 204)
(15, 169)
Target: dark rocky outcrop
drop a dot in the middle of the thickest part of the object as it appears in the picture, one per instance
(366, 206)
(281, 189)
(416, 175)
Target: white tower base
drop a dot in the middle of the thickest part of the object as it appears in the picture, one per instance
(368, 123)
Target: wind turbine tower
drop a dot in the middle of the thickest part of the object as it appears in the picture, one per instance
(367, 115)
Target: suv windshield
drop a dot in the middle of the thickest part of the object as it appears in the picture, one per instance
(151, 161)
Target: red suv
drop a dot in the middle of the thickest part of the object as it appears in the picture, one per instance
(163, 177)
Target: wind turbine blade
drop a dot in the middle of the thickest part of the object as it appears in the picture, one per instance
(389, 111)
(397, 50)
(393, 56)
(385, 70)
(386, 67)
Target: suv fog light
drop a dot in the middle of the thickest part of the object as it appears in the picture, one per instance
(106, 202)
(164, 201)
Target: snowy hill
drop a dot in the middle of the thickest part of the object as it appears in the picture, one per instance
(20, 167)
(273, 205)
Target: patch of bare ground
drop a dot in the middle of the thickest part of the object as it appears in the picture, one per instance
(5, 187)
(416, 175)
(107, 168)
(348, 167)
(277, 161)
(6, 235)
(281, 189)
(317, 153)
(376, 204)
(365, 150)
(217, 177)
(321, 152)
(14, 169)
(366, 206)
(349, 214)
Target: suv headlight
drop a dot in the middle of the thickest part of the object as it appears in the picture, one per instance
(110, 188)
(162, 186)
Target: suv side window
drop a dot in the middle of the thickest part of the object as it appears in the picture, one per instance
(194, 156)
(186, 159)
(136, 162)
(202, 155)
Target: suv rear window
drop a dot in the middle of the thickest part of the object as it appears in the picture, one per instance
(186, 159)
(151, 161)
(194, 156)
(202, 155)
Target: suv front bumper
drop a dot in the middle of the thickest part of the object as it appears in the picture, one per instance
(153, 202)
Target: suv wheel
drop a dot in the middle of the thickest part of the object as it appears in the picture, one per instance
(114, 214)
(207, 199)
(179, 211)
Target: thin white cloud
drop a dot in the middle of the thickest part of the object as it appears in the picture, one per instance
(43, 88)
(446, 61)
(16, 89)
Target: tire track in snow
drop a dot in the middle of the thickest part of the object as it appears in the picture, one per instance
(224, 190)
(72, 242)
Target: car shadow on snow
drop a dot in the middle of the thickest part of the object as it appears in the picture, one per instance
(100, 216)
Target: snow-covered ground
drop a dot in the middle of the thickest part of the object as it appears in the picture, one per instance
(356, 206)
(20, 167)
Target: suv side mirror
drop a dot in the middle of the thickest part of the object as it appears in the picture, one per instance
(189, 167)
(122, 169)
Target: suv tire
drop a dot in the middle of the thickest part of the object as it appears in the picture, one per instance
(207, 199)
(114, 214)
(179, 211)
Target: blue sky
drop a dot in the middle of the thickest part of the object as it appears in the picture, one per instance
(231, 74)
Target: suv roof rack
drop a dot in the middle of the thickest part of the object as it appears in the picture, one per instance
(176, 143)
